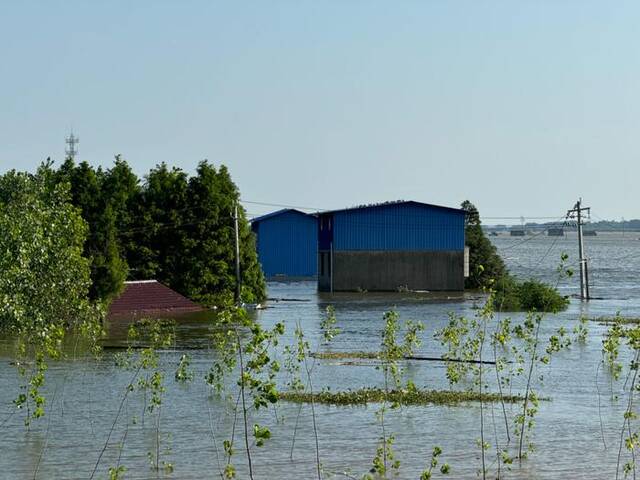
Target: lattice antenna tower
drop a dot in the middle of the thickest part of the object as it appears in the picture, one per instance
(71, 149)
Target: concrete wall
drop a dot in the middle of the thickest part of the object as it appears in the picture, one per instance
(389, 270)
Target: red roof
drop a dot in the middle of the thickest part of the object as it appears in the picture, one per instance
(150, 296)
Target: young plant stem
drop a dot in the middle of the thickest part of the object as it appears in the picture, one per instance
(627, 418)
(115, 420)
(124, 436)
(504, 409)
(46, 436)
(484, 331)
(295, 431)
(233, 426)
(525, 404)
(313, 417)
(495, 434)
(604, 442)
(244, 406)
(158, 441)
(382, 410)
(215, 443)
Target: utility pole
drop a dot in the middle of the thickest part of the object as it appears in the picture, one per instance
(576, 213)
(237, 237)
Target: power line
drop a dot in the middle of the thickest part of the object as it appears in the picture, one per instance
(316, 209)
(297, 207)
(535, 235)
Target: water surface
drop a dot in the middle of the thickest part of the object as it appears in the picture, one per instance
(576, 435)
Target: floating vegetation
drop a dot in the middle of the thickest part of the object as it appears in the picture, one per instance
(616, 319)
(343, 355)
(364, 396)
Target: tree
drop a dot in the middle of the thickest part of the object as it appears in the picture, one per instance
(172, 228)
(157, 248)
(102, 247)
(481, 252)
(44, 279)
(210, 273)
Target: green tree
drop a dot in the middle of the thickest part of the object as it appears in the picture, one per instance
(481, 252)
(156, 249)
(102, 247)
(44, 279)
(120, 188)
(210, 273)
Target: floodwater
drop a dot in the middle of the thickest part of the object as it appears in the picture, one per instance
(576, 436)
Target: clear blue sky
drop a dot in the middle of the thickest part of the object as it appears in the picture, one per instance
(519, 106)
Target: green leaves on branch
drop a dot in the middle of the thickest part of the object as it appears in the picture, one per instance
(44, 279)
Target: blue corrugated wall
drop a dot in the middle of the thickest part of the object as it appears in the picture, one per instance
(287, 244)
(401, 226)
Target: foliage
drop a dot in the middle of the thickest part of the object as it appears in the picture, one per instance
(517, 352)
(618, 337)
(530, 295)
(102, 247)
(256, 377)
(151, 335)
(482, 253)
(44, 279)
(444, 468)
(170, 227)
(183, 374)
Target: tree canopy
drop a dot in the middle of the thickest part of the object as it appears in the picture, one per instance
(168, 226)
(44, 278)
(485, 265)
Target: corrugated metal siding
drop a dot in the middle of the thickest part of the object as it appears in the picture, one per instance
(403, 226)
(287, 244)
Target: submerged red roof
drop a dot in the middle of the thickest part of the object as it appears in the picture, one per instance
(150, 296)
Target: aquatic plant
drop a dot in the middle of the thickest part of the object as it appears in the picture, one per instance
(346, 355)
(404, 396)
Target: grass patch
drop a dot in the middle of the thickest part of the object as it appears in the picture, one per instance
(364, 396)
(343, 355)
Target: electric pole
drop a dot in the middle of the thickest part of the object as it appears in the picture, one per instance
(576, 213)
(237, 237)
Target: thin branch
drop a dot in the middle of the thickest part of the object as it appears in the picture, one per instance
(115, 420)
(244, 406)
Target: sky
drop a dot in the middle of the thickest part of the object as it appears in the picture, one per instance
(521, 107)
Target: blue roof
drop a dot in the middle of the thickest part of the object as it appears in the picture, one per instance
(276, 213)
(394, 203)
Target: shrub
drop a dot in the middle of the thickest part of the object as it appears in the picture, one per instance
(530, 295)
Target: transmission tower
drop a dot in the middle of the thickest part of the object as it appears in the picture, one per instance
(71, 149)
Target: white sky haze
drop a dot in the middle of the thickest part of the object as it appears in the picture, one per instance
(520, 107)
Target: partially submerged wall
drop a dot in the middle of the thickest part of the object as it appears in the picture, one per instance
(393, 270)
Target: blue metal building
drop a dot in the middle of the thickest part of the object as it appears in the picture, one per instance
(391, 246)
(287, 244)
